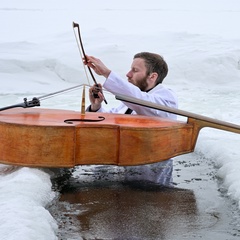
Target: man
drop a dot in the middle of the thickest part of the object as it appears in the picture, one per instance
(145, 77)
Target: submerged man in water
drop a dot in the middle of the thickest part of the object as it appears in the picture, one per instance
(145, 78)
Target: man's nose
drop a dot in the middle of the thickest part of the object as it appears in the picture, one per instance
(129, 74)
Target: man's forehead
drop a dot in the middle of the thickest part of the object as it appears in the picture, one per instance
(138, 63)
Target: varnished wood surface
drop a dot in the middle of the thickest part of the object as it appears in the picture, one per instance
(40, 138)
(199, 121)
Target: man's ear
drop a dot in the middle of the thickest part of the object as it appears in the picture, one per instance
(152, 78)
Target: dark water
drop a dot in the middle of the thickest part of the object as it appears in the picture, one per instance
(97, 206)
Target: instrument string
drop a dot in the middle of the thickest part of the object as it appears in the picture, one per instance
(50, 95)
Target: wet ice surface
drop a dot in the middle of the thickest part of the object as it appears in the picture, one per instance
(96, 204)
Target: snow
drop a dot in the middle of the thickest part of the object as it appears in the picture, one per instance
(199, 39)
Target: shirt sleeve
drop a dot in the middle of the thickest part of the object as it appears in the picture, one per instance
(159, 95)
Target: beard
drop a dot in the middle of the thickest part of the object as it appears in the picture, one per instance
(142, 84)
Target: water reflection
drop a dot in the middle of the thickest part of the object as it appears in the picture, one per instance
(90, 207)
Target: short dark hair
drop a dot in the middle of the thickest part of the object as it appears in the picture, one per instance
(154, 63)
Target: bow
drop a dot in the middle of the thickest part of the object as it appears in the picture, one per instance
(82, 52)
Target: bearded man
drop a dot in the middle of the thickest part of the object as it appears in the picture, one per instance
(145, 78)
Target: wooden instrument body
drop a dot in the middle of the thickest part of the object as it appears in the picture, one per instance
(38, 137)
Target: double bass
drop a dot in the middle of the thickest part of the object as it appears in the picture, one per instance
(38, 137)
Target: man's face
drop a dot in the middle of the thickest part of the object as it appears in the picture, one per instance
(138, 74)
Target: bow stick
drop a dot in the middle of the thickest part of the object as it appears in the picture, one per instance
(82, 52)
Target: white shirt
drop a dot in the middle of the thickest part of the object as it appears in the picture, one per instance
(159, 95)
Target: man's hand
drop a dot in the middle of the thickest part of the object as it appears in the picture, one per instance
(96, 97)
(97, 65)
